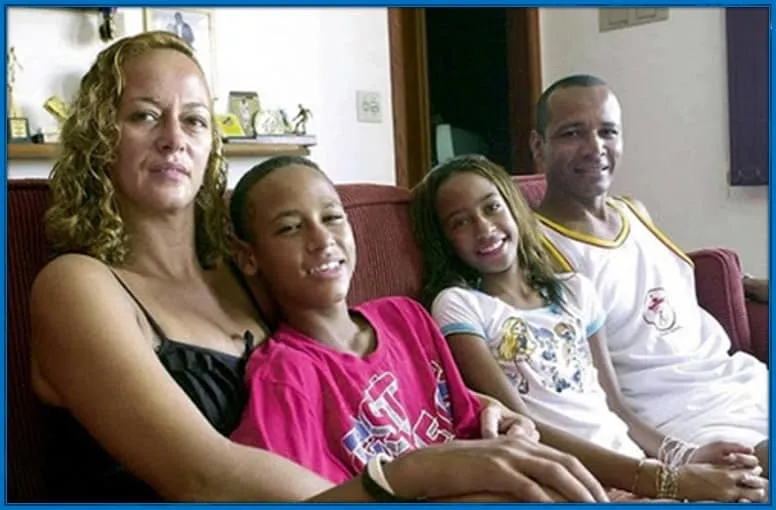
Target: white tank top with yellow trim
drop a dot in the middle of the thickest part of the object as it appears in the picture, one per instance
(670, 355)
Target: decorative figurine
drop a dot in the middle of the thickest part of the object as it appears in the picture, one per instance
(18, 125)
(108, 25)
(301, 119)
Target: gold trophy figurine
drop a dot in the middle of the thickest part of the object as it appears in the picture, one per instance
(18, 125)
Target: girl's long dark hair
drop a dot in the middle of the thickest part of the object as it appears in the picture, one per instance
(443, 268)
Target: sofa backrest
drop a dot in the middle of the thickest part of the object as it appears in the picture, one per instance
(28, 252)
(388, 259)
(388, 263)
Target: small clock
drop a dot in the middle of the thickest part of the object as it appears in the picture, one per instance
(269, 122)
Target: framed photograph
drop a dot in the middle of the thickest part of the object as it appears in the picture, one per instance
(245, 105)
(195, 26)
(229, 126)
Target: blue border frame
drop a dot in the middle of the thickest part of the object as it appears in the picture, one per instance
(363, 3)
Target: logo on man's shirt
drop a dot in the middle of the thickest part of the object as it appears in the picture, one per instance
(658, 311)
(383, 425)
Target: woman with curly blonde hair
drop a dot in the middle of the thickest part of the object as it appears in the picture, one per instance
(84, 215)
(141, 328)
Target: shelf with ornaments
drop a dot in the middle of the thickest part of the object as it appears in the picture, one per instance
(49, 151)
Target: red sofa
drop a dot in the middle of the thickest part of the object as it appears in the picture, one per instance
(388, 264)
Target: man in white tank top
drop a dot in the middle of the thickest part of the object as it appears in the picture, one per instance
(670, 355)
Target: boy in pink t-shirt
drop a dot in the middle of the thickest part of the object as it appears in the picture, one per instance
(335, 386)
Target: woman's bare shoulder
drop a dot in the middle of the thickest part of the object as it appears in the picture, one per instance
(77, 292)
(76, 306)
(72, 276)
(72, 265)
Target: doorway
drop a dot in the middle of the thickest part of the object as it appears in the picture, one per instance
(476, 70)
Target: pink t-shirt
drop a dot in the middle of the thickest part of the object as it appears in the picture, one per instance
(331, 411)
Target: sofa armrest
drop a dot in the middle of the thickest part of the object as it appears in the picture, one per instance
(720, 292)
(758, 325)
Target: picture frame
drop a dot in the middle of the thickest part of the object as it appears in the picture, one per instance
(229, 126)
(245, 105)
(195, 26)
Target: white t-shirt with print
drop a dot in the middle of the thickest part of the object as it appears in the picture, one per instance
(546, 355)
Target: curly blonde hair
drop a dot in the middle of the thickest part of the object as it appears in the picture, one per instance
(84, 215)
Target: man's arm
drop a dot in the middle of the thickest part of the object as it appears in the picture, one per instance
(755, 288)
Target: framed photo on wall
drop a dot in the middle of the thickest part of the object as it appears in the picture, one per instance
(195, 26)
(245, 106)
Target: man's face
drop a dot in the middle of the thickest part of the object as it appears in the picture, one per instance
(582, 143)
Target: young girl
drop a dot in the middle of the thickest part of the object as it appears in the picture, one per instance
(533, 339)
(337, 390)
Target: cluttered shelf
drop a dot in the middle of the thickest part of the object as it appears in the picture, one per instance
(43, 151)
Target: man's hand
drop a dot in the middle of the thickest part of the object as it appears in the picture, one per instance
(725, 453)
(756, 288)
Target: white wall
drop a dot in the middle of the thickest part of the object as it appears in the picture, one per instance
(671, 78)
(317, 57)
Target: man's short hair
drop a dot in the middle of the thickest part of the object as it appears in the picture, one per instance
(543, 104)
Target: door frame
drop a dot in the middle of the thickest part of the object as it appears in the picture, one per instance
(410, 95)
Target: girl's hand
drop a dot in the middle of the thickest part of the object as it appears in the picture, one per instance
(705, 482)
(725, 453)
(496, 420)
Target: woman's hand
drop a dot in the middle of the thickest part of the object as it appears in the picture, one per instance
(705, 482)
(496, 420)
(517, 467)
(725, 453)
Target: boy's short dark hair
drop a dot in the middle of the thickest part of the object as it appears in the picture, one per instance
(240, 208)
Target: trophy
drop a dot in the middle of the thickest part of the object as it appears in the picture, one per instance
(18, 125)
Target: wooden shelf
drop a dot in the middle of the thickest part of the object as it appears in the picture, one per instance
(236, 150)
(32, 151)
(46, 151)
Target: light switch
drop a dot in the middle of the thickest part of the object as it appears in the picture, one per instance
(368, 107)
(614, 18)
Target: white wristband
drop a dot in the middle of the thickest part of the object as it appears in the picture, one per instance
(375, 470)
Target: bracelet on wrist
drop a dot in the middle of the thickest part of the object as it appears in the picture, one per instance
(376, 484)
(667, 482)
(635, 485)
(674, 452)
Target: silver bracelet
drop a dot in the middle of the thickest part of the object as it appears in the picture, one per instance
(674, 452)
